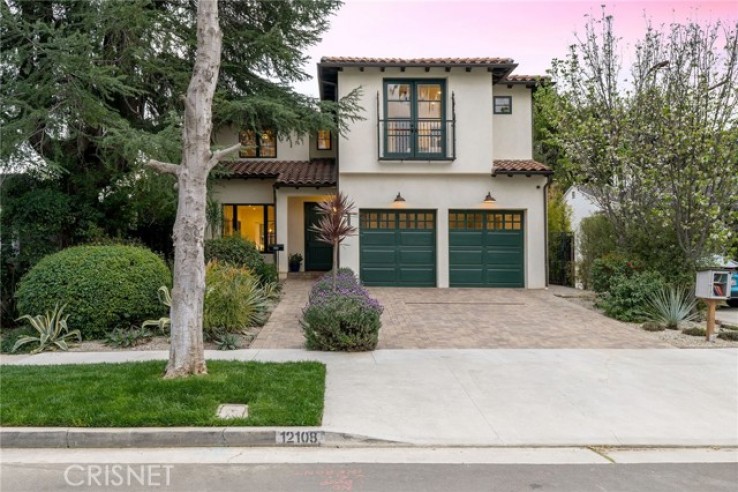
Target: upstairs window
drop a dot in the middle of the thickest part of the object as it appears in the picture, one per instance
(324, 140)
(414, 125)
(503, 105)
(258, 144)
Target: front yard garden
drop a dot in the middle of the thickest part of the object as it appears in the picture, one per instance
(135, 395)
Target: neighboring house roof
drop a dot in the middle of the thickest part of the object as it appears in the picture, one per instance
(519, 166)
(316, 172)
(526, 80)
(328, 68)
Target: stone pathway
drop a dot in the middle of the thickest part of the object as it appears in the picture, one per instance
(283, 328)
(428, 318)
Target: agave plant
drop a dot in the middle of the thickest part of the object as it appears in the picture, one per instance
(52, 331)
(671, 306)
(165, 297)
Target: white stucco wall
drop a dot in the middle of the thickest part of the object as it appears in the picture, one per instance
(513, 133)
(441, 193)
(473, 94)
(581, 206)
(243, 191)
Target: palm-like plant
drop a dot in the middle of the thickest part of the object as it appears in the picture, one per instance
(165, 297)
(333, 226)
(52, 331)
(671, 306)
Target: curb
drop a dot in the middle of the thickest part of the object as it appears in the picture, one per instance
(161, 437)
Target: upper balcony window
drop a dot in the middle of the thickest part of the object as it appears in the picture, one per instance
(503, 105)
(258, 144)
(414, 124)
(324, 140)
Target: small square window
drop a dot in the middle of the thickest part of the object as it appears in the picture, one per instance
(503, 105)
(324, 140)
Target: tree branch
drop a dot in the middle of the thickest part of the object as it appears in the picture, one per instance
(220, 154)
(163, 167)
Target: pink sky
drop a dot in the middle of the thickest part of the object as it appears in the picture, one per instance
(531, 32)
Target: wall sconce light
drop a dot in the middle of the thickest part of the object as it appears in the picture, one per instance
(399, 202)
(399, 199)
(489, 199)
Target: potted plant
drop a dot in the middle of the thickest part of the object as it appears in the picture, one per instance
(294, 261)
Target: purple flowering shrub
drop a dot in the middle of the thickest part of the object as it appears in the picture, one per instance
(346, 319)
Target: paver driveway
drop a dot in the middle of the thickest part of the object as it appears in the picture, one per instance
(467, 318)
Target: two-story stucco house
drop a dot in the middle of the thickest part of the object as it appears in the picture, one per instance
(440, 171)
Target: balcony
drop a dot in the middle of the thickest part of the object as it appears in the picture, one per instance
(416, 139)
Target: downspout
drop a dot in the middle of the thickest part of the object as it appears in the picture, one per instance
(545, 222)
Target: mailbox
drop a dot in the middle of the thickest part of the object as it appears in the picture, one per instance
(273, 248)
(712, 284)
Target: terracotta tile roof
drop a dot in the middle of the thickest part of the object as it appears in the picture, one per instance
(317, 172)
(526, 78)
(519, 166)
(443, 62)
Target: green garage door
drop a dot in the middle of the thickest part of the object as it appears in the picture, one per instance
(398, 248)
(486, 248)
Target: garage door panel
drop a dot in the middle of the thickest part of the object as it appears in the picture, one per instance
(466, 256)
(417, 276)
(499, 256)
(504, 277)
(466, 238)
(417, 238)
(503, 238)
(377, 275)
(377, 238)
(378, 256)
(462, 276)
(417, 256)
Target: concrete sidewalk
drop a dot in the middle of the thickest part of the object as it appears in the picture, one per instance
(512, 397)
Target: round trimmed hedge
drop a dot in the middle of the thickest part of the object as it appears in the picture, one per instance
(104, 287)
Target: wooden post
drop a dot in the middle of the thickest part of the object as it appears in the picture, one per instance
(711, 306)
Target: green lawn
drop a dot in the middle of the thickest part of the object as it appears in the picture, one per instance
(134, 394)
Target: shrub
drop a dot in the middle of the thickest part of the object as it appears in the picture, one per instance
(128, 338)
(105, 287)
(607, 268)
(596, 239)
(234, 300)
(340, 323)
(627, 299)
(731, 335)
(240, 252)
(653, 326)
(343, 320)
(671, 306)
(695, 332)
(8, 337)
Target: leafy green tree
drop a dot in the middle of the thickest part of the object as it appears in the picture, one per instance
(92, 90)
(658, 146)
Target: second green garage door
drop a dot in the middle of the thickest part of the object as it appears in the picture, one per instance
(486, 248)
(398, 248)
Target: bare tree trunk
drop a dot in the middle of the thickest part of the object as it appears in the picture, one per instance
(186, 353)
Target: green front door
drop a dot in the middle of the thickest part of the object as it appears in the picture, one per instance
(398, 248)
(486, 248)
(318, 255)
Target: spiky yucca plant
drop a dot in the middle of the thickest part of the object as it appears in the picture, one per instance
(672, 305)
(333, 226)
(52, 330)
